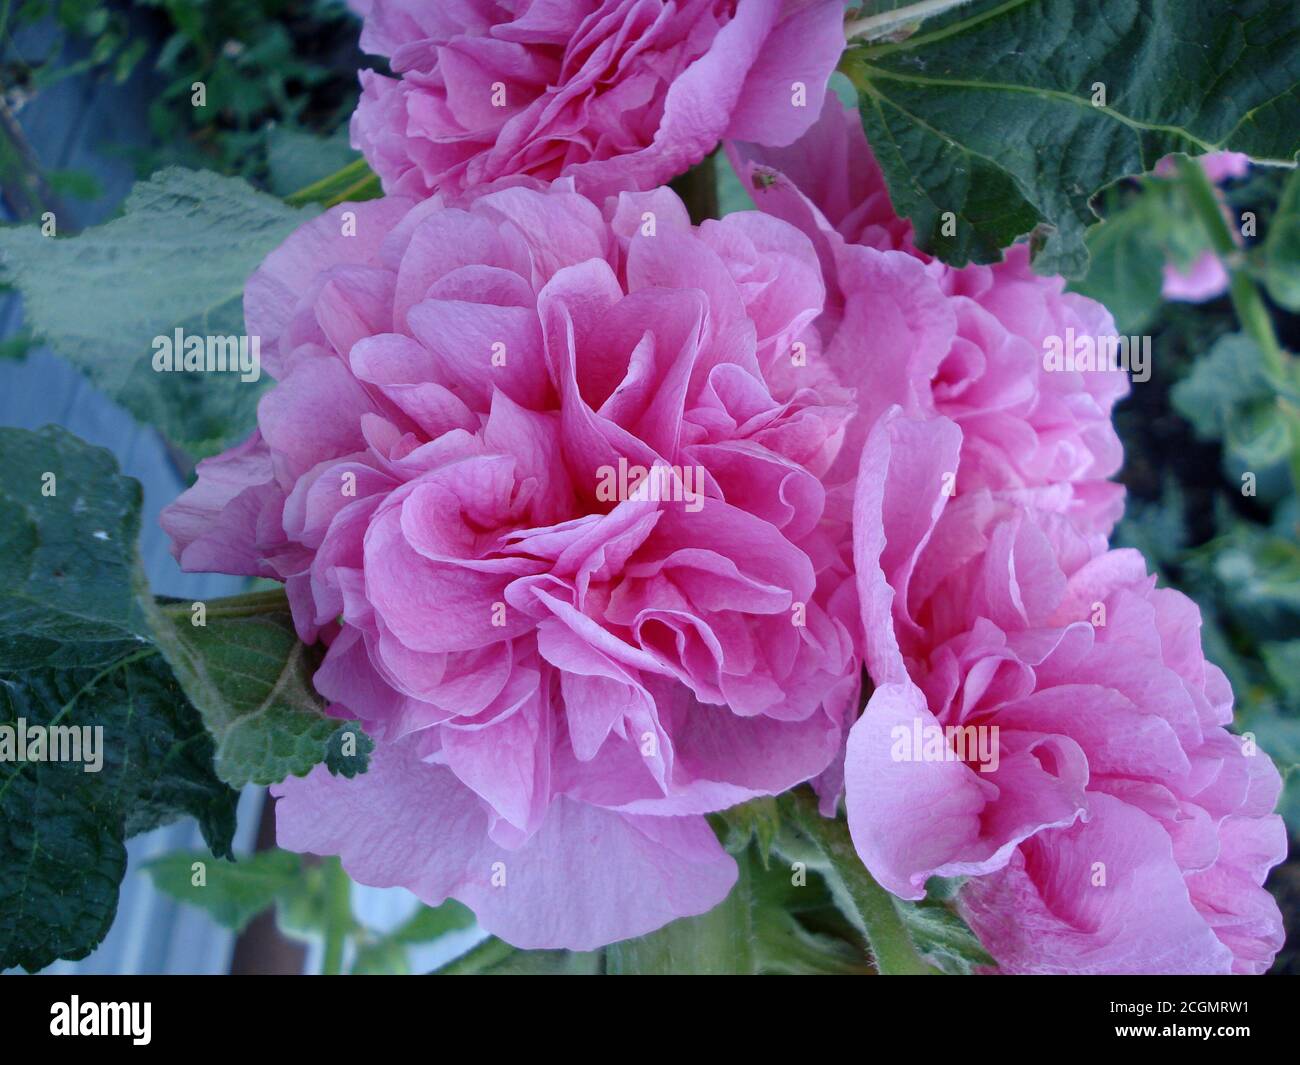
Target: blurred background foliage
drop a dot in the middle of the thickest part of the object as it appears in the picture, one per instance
(281, 81)
(1210, 453)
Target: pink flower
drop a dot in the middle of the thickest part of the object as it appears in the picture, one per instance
(564, 662)
(1045, 723)
(1205, 278)
(989, 602)
(619, 94)
(971, 344)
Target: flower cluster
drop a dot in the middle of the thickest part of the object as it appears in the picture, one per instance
(602, 516)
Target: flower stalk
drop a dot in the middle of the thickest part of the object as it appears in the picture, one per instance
(891, 946)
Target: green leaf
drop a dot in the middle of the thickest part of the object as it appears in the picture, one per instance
(942, 938)
(1282, 248)
(1282, 659)
(1260, 570)
(250, 678)
(387, 953)
(988, 111)
(431, 922)
(347, 751)
(231, 893)
(307, 910)
(720, 942)
(1229, 397)
(759, 928)
(493, 957)
(63, 829)
(297, 158)
(1126, 267)
(384, 957)
(134, 754)
(67, 553)
(757, 820)
(177, 259)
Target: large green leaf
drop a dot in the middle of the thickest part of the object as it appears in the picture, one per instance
(73, 657)
(67, 553)
(178, 258)
(988, 111)
(250, 677)
(297, 159)
(63, 829)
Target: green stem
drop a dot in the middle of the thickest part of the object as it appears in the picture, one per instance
(874, 27)
(338, 922)
(1251, 310)
(329, 187)
(891, 946)
(270, 601)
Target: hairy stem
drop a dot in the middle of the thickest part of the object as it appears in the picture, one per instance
(338, 902)
(891, 946)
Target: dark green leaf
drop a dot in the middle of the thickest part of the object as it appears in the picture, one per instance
(67, 553)
(63, 829)
(988, 111)
(1228, 397)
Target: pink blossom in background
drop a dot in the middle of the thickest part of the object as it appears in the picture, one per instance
(619, 94)
(557, 680)
(1205, 278)
(1120, 828)
(1218, 166)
